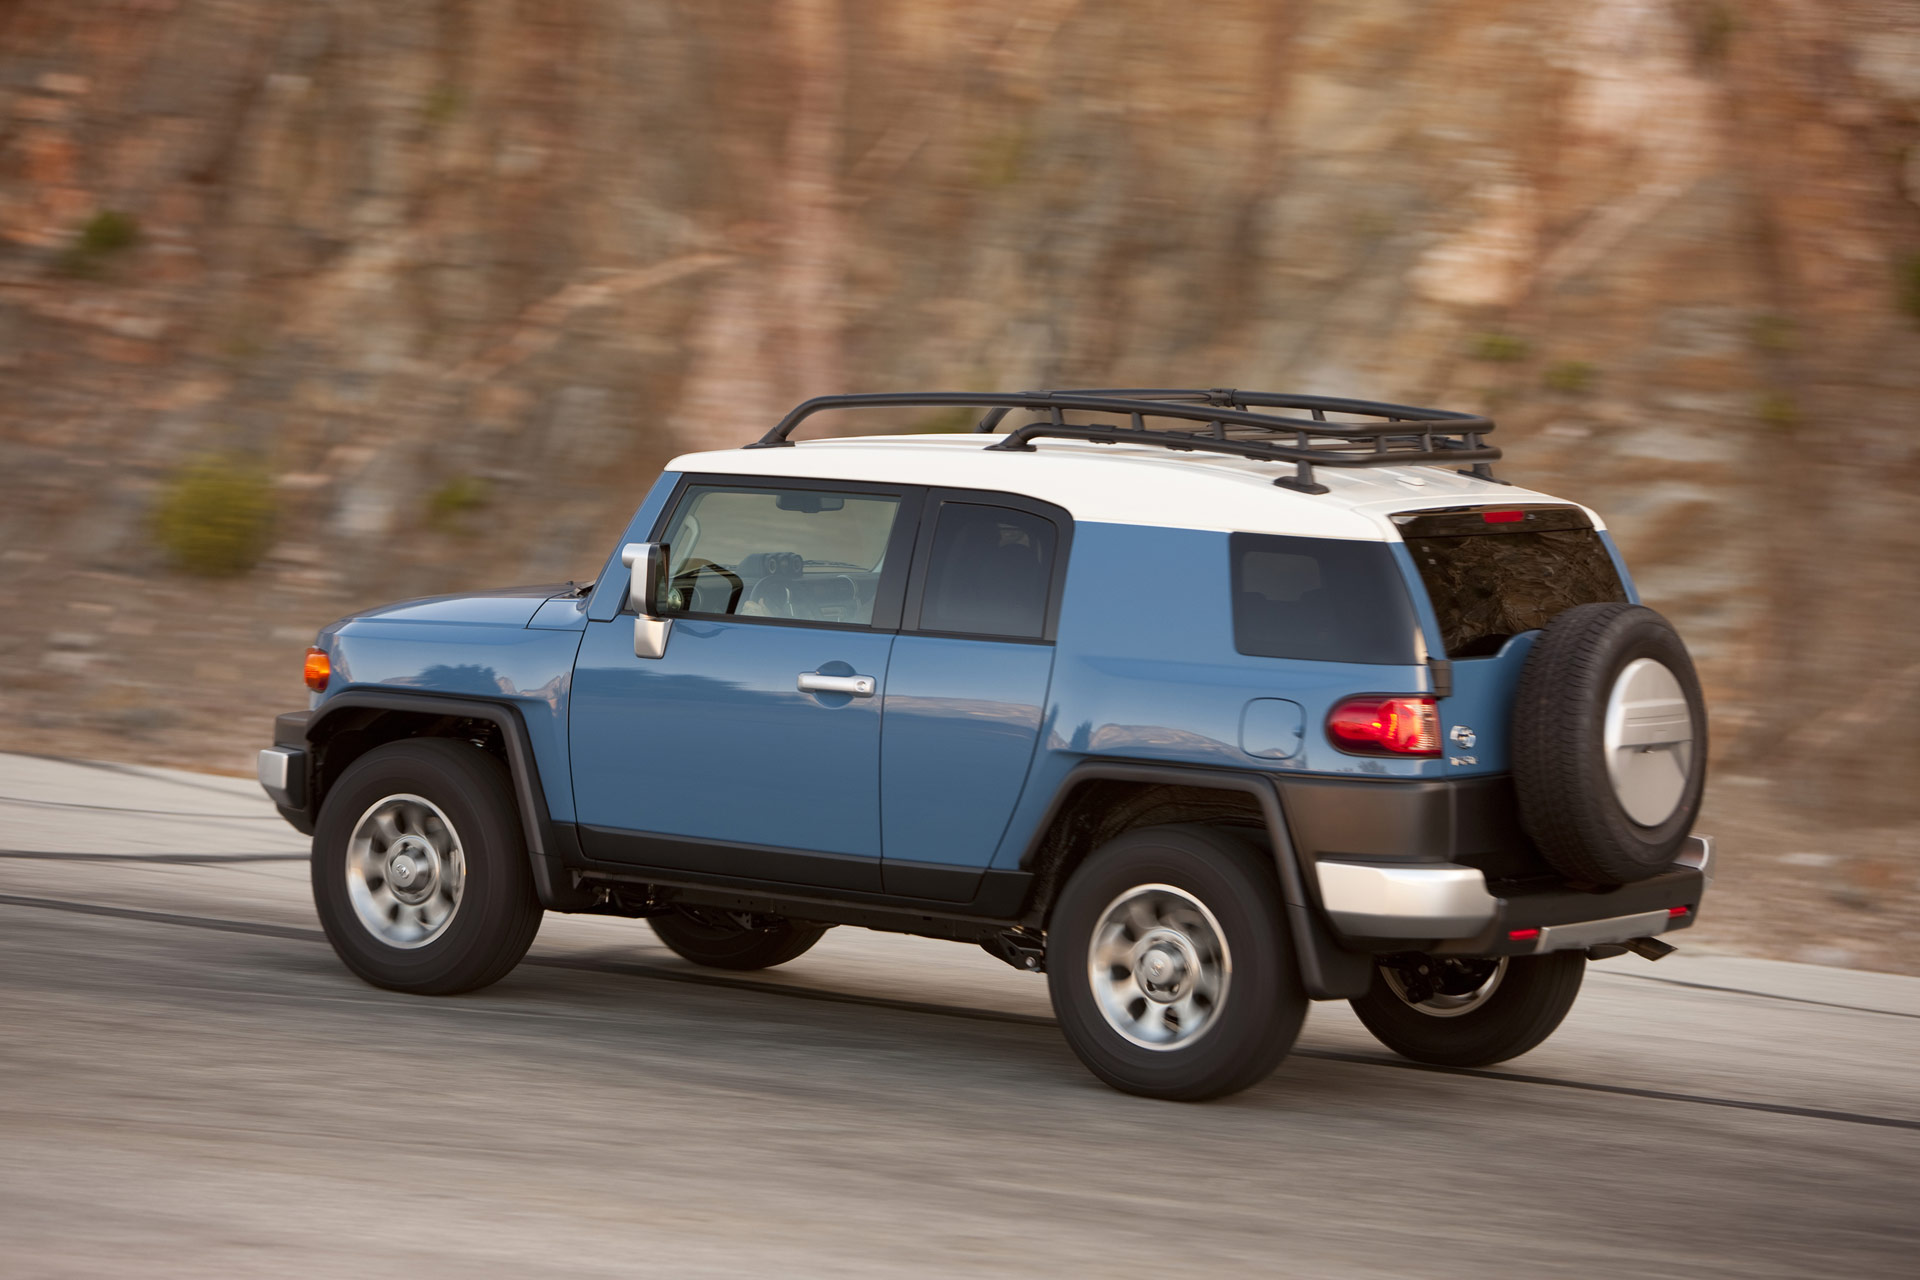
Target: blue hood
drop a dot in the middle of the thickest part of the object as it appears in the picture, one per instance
(504, 607)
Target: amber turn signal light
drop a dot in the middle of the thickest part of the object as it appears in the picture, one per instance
(319, 668)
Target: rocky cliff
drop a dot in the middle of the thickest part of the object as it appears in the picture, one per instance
(439, 283)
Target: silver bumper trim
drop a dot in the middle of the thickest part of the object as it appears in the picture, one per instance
(1697, 852)
(1384, 900)
(1592, 933)
(283, 775)
(1445, 900)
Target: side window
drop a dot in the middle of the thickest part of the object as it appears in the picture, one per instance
(989, 573)
(805, 554)
(1320, 599)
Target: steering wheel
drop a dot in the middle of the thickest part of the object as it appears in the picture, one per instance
(686, 586)
(774, 595)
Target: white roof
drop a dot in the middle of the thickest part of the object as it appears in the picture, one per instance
(1129, 483)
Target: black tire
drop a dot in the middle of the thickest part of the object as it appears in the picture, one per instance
(497, 912)
(709, 938)
(1258, 1015)
(1568, 801)
(1531, 1000)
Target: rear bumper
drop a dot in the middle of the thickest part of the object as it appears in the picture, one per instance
(1388, 900)
(1446, 909)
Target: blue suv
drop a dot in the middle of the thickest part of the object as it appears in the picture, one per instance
(1203, 703)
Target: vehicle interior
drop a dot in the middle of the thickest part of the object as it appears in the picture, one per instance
(778, 553)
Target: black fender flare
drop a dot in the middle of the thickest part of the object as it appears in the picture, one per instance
(1328, 970)
(549, 844)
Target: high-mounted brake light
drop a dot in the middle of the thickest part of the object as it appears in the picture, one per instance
(1376, 725)
(1503, 517)
(319, 669)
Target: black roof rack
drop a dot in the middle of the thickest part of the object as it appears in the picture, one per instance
(1397, 435)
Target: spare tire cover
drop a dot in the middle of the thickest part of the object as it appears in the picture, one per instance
(1609, 743)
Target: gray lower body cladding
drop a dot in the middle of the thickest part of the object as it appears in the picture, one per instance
(1474, 822)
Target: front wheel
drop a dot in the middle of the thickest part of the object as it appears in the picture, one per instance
(420, 870)
(1170, 966)
(1469, 1012)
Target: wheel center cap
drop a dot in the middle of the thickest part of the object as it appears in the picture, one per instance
(412, 869)
(1162, 968)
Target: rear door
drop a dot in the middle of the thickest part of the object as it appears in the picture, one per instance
(1494, 576)
(751, 748)
(967, 686)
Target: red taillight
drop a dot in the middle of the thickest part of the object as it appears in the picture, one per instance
(1522, 935)
(319, 669)
(1678, 911)
(1379, 726)
(1503, 517)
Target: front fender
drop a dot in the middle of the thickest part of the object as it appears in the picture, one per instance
(549, 843)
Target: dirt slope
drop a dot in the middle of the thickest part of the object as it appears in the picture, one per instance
(457, 277)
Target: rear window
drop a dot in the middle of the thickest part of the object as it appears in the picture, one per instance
(1321, 599)
(1492, 574)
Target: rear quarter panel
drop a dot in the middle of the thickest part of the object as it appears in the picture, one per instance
(1145, 670)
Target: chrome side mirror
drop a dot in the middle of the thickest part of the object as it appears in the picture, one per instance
(646, 562)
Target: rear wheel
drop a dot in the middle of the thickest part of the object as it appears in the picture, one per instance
(1469, 1012)
(1170, 966)
(420, 871)
(734, 939)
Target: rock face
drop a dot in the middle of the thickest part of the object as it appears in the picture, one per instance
(462, 275)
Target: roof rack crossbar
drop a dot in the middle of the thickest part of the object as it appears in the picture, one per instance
(1422, 435)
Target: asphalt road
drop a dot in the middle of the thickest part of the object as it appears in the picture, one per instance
(190, 1084)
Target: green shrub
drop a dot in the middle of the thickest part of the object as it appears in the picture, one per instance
(215, 517)
(1779, 410)
(1002, 158)
(1500, 348)
(443, 104)
(1773, 333)
(104, 234)
(453, 500)
(1497, 399)
(108, 231)
(1711, 25)
(1569, 377)
(1909, 282)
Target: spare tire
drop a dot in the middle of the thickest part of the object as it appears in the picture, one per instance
(1609, 743)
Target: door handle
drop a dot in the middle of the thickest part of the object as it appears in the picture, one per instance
(858, 686)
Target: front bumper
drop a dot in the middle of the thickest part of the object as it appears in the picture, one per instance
(283, 776)
(284, 769)
(1446, 909)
